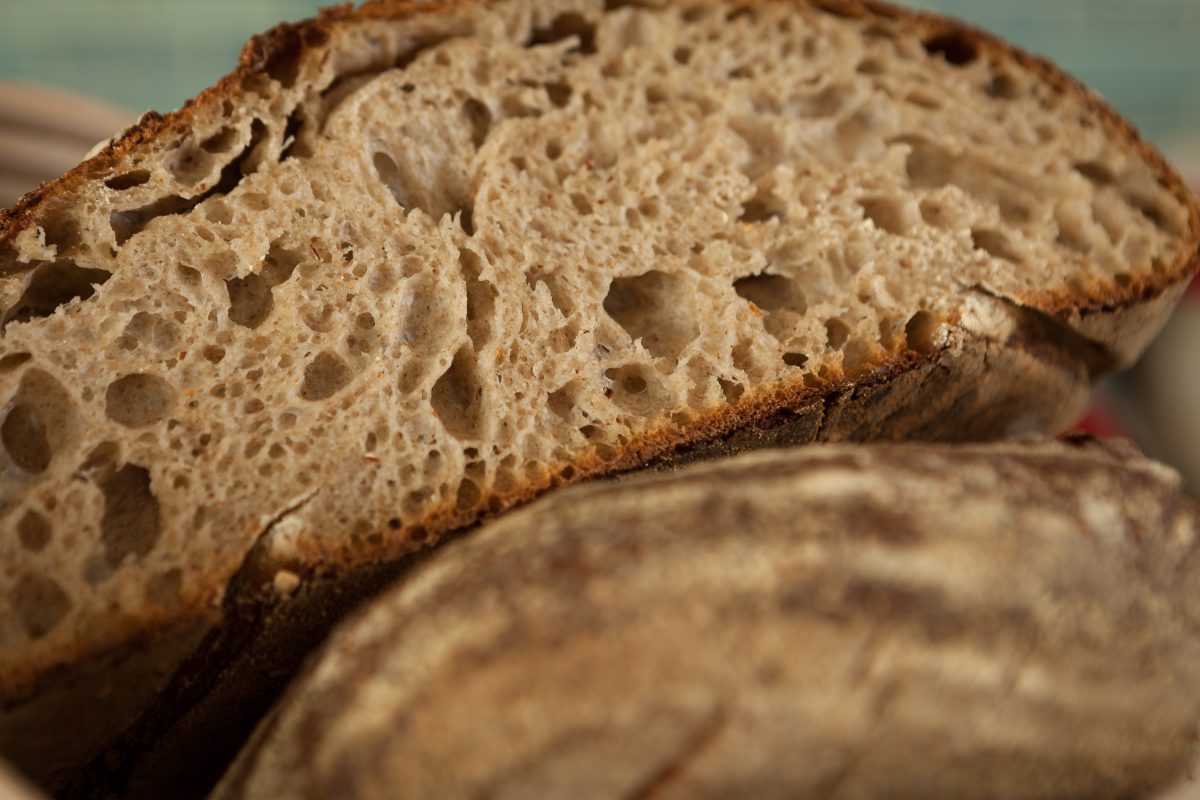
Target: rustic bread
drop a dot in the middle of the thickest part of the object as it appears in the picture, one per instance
(412, 264)
(1013, 620)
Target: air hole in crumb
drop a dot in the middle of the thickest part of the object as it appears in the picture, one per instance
(836, 333)
(1015, 211)
(1072, 231)
(1153, 210)
(857, 359)
(12, 361)
(1003, 87)
(33, 531)
(189, 164)
(53, 286)
(995, 243)
(731, 389)
(795, 359)
(928, 166)
(771, 292)
(581, 203)
(39, 603)
(935, 213)
(923, 99)
(871, 66)
(389, 173)
(23, 434)
(954, 46)
(920, 332)
(553, 150)
(283, 56)
(561, 401)
(456, 396)
(762, 207)
(291, 146)
(221, 141)
(130, 525)
(102, 454)
(325, 376)
(214, 353)
(481, 298)
(128, 180)
(251, 298)
(682, 55)
(887, 213)
(633, 383)
(479, 118)
(632, 388)
(468, 495)
(564, 26)
(138, 400)
(1096, 172)
(647, 307)
(559, 93)
(149, 329)
(655, 94)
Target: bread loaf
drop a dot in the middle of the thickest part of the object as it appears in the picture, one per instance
(1014, 620)
(413, 264)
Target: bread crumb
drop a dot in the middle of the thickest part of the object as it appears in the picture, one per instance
(286, 581)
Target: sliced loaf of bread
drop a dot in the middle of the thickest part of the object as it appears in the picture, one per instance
(972, 621)
(411, 264)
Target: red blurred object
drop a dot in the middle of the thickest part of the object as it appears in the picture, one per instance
(1192, 294)
(1101, 420)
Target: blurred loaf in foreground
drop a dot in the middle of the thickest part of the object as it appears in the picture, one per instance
(1017, 620)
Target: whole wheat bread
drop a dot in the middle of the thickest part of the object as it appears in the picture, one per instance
(1012, 620)
(414, 264)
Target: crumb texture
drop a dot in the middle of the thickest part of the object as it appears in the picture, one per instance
(412, 269)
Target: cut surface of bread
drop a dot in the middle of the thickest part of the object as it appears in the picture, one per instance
(409, 265)
(1013, 620)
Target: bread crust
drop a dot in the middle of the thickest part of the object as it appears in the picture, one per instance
(987, 399)
(842, 581)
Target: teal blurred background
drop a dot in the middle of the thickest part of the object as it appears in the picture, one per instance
(1144, 55)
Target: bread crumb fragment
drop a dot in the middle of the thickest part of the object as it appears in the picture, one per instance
(286, 581)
